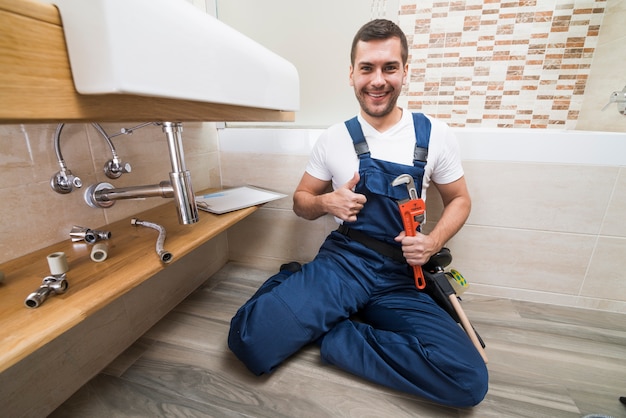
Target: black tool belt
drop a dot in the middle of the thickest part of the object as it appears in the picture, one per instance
(380, 247)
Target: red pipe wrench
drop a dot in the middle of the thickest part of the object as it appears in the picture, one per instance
(412, 211)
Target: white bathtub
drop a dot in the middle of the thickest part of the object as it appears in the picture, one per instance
(543, 145)
(524, 145)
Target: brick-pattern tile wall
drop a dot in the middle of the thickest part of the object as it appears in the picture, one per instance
(500, 63)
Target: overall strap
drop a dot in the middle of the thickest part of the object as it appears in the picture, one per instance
(358, 139)
(422, 137)
(421, 125)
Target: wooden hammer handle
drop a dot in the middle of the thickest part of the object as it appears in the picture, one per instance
(468, 326)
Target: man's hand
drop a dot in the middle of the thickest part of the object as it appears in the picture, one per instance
(312, 199)
(418, 249)
(344, 203)
(456, 208)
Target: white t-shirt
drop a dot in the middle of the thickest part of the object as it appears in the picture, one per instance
(333, 156)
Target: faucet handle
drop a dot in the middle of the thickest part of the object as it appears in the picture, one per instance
(114, 168)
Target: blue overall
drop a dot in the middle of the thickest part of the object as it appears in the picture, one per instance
(362, 308)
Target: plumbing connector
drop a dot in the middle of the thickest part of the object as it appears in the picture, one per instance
(51, 285)
(164, 255)
(55, 284)
(90, 236)
(64, 181)
(114, 168)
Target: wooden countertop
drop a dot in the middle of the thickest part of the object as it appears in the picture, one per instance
(132, 260)
(36, 83)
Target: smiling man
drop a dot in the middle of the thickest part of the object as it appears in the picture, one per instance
(357, 299)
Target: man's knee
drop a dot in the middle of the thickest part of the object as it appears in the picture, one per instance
(265, 332)
(244, 344)
(472, 390)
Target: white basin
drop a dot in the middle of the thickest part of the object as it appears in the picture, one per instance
(168, 48)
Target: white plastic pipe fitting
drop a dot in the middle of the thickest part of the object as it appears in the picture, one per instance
(57, 263)
(99, 252)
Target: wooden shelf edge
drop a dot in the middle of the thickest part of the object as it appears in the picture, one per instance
(132, 261)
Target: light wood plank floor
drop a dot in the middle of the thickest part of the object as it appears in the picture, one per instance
(544, 361)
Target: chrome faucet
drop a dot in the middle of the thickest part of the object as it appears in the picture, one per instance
(618, 97)
(104, 195)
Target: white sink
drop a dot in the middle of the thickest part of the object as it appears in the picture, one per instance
(168, 48)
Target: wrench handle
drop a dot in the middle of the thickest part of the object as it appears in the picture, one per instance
(412, 213)
(418, 274)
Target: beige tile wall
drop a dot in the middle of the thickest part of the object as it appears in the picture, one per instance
(501, 64)
(536, 233)
(550, 233)
(33, 216)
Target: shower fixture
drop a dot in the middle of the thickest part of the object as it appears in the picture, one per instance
(618, 97)
(104, 195)
(64, 181)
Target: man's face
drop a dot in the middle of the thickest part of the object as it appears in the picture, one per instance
(377, 75)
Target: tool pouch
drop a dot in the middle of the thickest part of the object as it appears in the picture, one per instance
(439, 288)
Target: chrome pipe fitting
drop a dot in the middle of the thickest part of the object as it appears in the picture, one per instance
(51, 285)
(113, 168)
(63, 181)
(90, 236)
(55, 284)
(180, 177)
(164, 255)
(104, 195)
(186, 207)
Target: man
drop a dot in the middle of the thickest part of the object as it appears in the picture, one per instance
(357, 299)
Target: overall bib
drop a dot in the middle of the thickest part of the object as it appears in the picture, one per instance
(361, 307)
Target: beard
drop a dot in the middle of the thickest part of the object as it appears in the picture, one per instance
(381, 110)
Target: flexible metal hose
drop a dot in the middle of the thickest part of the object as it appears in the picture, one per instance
(106, 138)
(57, 145)
(164, 255)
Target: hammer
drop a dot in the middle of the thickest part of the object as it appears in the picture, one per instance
(442, 291)
(412, 212)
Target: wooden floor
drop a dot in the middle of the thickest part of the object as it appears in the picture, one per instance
(544, 361)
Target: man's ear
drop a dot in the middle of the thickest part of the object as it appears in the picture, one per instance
(405, 79)
(350, 76)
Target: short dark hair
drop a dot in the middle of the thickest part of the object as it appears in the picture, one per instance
(380, 29)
